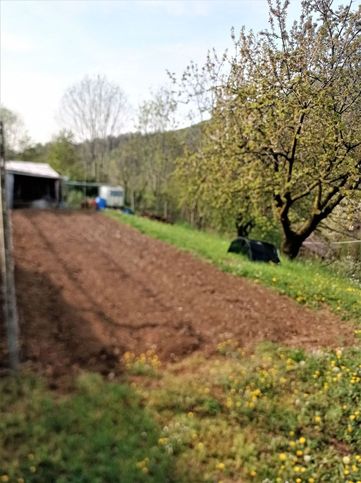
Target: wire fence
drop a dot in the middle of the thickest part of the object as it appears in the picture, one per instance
(7, 266)
(338, 249)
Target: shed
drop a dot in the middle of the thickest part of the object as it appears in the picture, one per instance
(32, 184)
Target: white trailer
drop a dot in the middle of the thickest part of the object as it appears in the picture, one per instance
(113, 196)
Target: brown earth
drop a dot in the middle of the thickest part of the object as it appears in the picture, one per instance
(90, 289)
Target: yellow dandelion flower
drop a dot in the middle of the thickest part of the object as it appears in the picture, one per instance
(282, 456)
(162, 441)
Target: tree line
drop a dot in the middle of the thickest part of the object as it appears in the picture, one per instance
(275, 139)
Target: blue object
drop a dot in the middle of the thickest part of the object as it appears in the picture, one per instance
(101, 203)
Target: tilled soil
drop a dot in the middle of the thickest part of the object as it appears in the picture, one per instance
(90, 289)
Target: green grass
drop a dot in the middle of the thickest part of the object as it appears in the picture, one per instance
(307, 282)
(280, 415)
(100, 433)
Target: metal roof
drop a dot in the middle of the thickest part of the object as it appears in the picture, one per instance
(85, 184)
(27, 168)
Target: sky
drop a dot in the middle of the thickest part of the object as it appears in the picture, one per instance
(49, 45)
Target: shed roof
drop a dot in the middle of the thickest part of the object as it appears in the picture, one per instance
(28, 168)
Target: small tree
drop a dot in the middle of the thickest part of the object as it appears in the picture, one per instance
(156, 123)
(285, 128)
(16, 137)
(63, 155)
(127, 168)
(94, 109)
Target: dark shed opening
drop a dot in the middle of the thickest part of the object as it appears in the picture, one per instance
(30, 188)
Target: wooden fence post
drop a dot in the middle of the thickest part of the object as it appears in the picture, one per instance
(7, 266)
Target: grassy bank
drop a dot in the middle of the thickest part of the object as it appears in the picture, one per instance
(280, 415)
(307, 282)
(100, 433)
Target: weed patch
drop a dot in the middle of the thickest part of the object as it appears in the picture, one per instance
(101, 433)
(279, 415)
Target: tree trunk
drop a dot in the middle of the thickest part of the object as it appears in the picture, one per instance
(291, 246)
(244, 228)
(192, 216)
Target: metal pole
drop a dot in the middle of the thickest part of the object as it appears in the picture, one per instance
(7, 267)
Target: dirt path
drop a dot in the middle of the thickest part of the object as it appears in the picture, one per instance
(89, 289)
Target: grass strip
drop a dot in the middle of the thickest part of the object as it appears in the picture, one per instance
(280, 415)
(99, 433)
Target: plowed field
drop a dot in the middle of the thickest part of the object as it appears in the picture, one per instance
(89, 289)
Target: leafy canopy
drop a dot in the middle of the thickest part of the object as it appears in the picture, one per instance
(284, 134)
